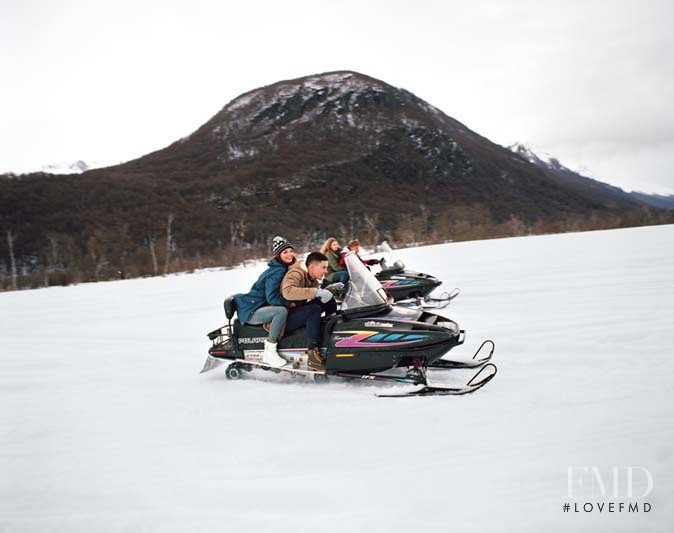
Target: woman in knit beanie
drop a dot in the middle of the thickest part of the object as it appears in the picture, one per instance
(264, 303)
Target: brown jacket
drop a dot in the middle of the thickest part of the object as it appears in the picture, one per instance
(297, 286)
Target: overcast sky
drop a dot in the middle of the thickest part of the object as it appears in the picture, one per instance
(590, 82)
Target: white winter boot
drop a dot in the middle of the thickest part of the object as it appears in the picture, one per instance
(271, 356)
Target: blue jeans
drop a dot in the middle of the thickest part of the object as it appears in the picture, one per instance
(340, 277)
(309, 316)
(275, 314)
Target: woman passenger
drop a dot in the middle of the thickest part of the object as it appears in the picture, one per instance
(336, 272)
(264, 303)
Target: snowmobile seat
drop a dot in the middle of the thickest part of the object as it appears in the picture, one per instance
(298, 338)
(390, 271)
(230, 306)
(253, 331)
(294, 339)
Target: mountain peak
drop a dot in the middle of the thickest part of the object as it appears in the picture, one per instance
(540, 159)
(331, 108)
(338, 82)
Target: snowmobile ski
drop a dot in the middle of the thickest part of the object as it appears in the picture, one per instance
(483, 376)
(431, 302)
(481, 357)
(443, 298)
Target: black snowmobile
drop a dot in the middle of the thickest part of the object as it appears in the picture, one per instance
(367, 339)
(410, 288)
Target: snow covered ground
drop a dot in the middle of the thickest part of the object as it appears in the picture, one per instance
(106, 424)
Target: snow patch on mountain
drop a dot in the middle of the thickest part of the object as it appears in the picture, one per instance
(545, 159)
(338, 91)
(77, 167)
(537, 157)
(338, 84)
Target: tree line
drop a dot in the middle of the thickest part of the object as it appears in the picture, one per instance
(119, 250)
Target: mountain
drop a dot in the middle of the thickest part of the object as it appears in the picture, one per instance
(589, 186)
(654, 200)
(382, 146)
(339, 154)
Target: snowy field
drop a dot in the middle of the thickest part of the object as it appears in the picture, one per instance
(106, 424)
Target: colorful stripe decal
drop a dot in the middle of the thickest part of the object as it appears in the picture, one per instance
(376, 339)
(399, 282)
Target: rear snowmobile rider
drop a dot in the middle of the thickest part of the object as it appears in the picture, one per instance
(354, 246)
(264, 303)
(302, 288)
(337, 272)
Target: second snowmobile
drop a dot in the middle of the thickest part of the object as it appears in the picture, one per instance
(408, 287)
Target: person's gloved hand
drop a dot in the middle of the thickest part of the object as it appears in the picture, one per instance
(324, 295)
(335, 287)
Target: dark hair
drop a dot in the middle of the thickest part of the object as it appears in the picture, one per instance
(315, 257)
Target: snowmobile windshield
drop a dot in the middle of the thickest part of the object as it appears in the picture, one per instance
(364, 289)
(390, 260)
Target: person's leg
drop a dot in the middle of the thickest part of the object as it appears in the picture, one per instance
(340, 277)
(328, 308)
(309, 316)
(275, 314)
(297, 318)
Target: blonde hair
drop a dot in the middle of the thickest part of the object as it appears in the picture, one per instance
(326, 245)
(354, 242)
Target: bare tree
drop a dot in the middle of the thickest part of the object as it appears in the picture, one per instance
(98, 260)
(169, 243)
(371, 223)
(10, 242)
(53, 252)
(153, 254)
(353, 224)
(236, 231)
(515, 226)
(51, 258)
(424, 218)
